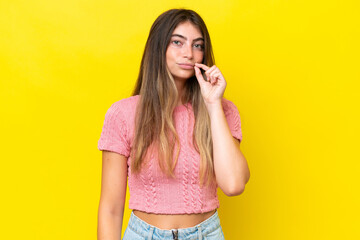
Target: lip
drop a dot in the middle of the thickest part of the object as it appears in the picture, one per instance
(186, 65)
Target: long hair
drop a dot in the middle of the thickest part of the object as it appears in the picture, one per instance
(154, 127)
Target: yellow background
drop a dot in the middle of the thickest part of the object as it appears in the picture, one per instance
(292, 69)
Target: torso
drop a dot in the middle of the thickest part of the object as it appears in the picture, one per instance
(176, 221)
(139, 185)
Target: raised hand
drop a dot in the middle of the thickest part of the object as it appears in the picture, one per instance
(213, 88)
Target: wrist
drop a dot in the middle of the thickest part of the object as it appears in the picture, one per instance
(214, 108)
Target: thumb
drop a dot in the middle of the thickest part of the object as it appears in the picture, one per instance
(199, 76)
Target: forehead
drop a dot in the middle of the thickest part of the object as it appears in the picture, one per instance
(187, 29)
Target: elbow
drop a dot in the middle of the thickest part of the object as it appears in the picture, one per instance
(235, 191)
(236, 187)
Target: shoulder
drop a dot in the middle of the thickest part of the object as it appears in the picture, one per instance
(125, 105)
(228, 106)
(233, 118)
(122, 110)
(128, 102)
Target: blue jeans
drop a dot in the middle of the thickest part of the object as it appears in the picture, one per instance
(210, 229)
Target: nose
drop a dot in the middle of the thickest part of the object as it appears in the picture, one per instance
(188, 51)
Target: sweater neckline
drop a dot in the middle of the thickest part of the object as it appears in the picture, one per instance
(183, 107)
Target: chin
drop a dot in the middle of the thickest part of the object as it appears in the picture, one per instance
(184, 76)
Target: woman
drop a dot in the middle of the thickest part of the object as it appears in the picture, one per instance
(186, 137)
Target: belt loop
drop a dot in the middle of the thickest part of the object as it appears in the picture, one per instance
(200, 233)
(150, 234)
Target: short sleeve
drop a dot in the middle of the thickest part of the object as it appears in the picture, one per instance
(114, 135)
(233, 118)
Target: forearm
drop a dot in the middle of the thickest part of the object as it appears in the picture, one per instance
(231, 168)
(109, 225)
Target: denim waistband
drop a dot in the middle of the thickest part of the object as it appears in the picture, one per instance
(205, 227)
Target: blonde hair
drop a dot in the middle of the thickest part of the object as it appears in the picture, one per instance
(154, 127)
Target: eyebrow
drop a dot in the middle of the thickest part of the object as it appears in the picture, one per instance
(181, 36)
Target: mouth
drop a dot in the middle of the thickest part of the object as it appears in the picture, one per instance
(186, 65)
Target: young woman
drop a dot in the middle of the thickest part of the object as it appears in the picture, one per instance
(176, 139)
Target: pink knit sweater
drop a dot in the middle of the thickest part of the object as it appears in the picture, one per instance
(152, 191)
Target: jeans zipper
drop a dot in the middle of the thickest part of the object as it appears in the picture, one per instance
(175, 234)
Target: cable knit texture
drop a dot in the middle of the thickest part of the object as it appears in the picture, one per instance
(152, 191)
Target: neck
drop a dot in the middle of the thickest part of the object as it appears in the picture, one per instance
(180, 85)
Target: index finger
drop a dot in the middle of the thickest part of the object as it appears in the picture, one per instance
(202, 66)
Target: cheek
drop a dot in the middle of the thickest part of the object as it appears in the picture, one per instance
(169, 57)
(168, 60)
(199, 56)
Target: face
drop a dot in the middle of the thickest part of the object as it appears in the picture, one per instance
(186, 48)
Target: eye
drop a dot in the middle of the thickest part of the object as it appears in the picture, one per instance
(176, 42)
(199, 46)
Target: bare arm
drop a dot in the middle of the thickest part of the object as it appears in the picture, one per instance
(231, 168)
(113, 193)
